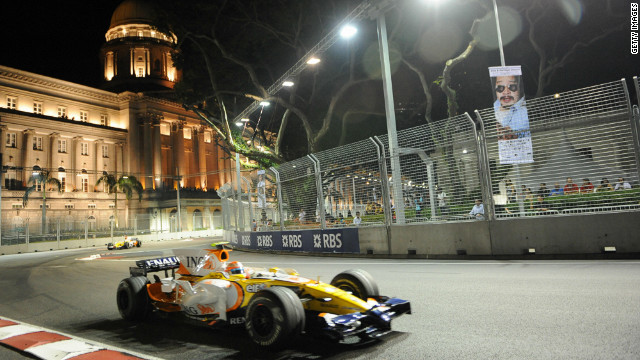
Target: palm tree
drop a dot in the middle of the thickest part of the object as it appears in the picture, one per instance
(44, 178)
(126, 184)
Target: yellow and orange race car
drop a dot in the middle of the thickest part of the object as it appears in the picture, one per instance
(127, 243)
(273, 305)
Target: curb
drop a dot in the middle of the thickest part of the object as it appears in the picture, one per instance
(49, 345)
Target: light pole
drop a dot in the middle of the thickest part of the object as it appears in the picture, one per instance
(396, 176)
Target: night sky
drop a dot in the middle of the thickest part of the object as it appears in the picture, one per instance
(62, 39)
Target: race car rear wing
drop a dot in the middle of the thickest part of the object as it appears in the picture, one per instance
(143, 267)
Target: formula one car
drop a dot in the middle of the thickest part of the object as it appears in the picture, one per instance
(125, 244)
(273, 305)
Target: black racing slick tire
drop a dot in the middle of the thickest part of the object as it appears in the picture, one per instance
(138, 243)
(358, 282)
(133, 299)
(273, 316)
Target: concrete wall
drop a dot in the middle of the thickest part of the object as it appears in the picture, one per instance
(583, 234)
(101, 243)
(561, 235)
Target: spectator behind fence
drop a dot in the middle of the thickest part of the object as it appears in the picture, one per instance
(442, 202)
(622, 185)
(570, 187)
(605, 185)
(556, 191)
(357, 220)
(478, 210)
(511, 191)
(539, 204)
(301, 216)
(586, 187)
(543, 190)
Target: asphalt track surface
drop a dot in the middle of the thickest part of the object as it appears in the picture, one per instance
(461, 309)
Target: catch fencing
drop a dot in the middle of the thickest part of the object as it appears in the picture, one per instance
(585, 159)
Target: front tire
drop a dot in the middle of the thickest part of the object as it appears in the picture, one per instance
(358, 282)
(273, 316)
(133, 299)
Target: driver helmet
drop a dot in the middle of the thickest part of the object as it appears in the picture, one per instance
(235, 268)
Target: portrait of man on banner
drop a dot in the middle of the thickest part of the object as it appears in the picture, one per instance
(512, 119)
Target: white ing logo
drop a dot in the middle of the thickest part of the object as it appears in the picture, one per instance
(330, 241)
(294, 241)
(254, 288)
(265, 240)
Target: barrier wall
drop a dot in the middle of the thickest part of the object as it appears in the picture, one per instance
(562, 235)
(101, 243)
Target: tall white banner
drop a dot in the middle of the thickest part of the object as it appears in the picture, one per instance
(512, 120)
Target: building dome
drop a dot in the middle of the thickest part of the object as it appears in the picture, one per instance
(132, 12)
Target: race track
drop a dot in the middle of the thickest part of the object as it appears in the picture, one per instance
(461, 309)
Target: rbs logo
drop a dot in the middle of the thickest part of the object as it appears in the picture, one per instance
(291, 241)
(246, 240)
(327, 241)
(265, 240)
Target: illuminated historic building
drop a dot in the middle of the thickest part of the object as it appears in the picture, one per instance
(130, 127)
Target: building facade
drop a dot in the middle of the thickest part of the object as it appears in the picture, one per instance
(129, 128)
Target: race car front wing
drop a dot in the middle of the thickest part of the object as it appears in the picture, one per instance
(371, 324)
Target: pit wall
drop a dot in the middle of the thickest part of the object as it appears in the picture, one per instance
(101, 243)
(563, 235)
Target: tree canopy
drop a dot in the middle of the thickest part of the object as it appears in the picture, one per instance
(230, 52)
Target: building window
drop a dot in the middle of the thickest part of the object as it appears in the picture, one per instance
(12, 102)
(62, 146)
(11, 140)
(62, 112)
(37, 143)
(63, 183)
(187, 133)
(84, 116)
(69, 206)
(112, 206)
(140, 72)
(39, 187)
(104, 119)
(207, 137)
(84, 149)
(105, 151)
(37, 108)
(16, 206)
(48, 206)
(92, 206)
(85, 184)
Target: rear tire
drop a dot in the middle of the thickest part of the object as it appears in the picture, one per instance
(138, 243)
(133, 299)
(273, 316)
(358, 282)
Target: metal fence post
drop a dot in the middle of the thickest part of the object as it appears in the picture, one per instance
(279, 195)
(26, 233)
(86, 232)
(384, 179)
(316, 166)
(135, 225)
(249, 204)
(58, 232)
(483, 165)
(632, 119)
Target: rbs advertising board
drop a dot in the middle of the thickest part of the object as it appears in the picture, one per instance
(334, 240)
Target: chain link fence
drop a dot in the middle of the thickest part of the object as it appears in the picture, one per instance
(585, 160)
(29, 228)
